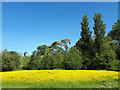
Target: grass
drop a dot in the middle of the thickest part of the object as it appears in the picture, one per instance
(101, 84)
(60, 79)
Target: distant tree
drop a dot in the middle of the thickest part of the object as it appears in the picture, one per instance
(41, 50)
(34, 64)
(56, 47)
(47, 62)
(25, 61)
(58, 61)
(10, 60)
(73, 59)
(65, 43)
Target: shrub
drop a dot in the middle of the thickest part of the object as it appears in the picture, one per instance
(73, 59)
(10, 60)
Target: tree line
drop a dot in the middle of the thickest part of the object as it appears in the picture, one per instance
(90, 52)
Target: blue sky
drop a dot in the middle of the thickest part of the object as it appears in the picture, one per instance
(26, 25)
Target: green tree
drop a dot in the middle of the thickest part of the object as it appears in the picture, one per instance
(58, 61)
(41, 50)
(105, 59)
(99, 31)
(56, 47)
(34, 64)
(104, 52)
(73, 59)
(65, 43)
(47, 62)
(115, 35)
(10, 60)
(36, 57)
(115, 32)
(84, 44)
(25, 61)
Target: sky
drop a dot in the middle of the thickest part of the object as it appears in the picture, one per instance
(27, 25)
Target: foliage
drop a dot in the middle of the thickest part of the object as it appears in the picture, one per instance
(10, 60)
(25, 62)
(99, 31)
(115, 35)
(115, 32)
(85, 43)
(73, 59)
(58, 61)
(47, 62)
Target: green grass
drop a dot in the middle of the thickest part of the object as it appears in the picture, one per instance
(103, 84)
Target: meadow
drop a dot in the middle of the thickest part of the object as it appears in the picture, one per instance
(60, 79)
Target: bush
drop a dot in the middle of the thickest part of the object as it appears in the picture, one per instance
(10, 60)
(34, 63)
(47, 62)
(73, 59)
(25, 62)
(58, 61)
(115, 65)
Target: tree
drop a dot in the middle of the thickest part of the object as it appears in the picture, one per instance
(104, 59)
(58, 61)
(47, 62)
(73, 59)
(99, 31)
(25, 62)
(104, 52)
(65, 43)
(84, 44)
(10, 60)
(56, 47)
(115, 32)
(115, 35)
(41, 50)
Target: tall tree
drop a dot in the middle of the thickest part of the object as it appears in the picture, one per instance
(115, 35)
(115, 32)
(104, 52)
(85, 35)
(84, 44)
(99, 31)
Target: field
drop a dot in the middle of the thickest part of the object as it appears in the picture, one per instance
(60, 79)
